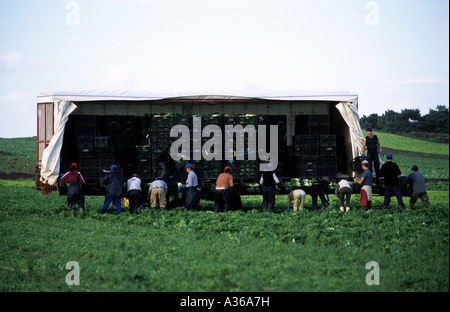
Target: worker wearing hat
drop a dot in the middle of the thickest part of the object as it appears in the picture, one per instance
(366, 182)
(390, 172)
(372, 142)
(417, 180)
(75, 193)
(222, 193)
(191, 188)
(114, 182)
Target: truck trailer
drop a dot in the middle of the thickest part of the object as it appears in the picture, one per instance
(311, 134)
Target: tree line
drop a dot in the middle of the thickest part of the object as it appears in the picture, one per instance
(409, 120)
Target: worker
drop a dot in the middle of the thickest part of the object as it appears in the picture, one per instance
(268, 181)
(390, 172)
(74, 193)
(114, 182)
(344, 193)
(372, 142)
(317, 189)
(366, 182)
(222, 193)
(191, 188)
(157, 193)
(297, 196)
(417, 180)
(134, 192)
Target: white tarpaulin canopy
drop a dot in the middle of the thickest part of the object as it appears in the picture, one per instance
(64, 106)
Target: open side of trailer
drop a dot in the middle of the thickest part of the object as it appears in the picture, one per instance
(317, 135)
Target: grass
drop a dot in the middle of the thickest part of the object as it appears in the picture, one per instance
(412, 145)
(177, 250)
(18, 155)
(181, 251)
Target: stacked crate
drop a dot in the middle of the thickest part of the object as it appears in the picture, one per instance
(319, 124)
(142, 150)
(159, 140)
(306, 155)
(94, 153)
(281, 122)
(244, 167)
(143, 162)
(210, 168)
(312, 124)
(328, 158)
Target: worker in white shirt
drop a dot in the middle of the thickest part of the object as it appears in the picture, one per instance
(134, 193)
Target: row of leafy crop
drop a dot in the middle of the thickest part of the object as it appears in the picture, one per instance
(177, 250)
(329, 226)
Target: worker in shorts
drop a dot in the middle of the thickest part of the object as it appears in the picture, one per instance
(298, 196)
(157, 193)
(366, 182)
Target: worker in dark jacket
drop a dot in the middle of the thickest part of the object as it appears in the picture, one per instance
(317, 189)
(390, 172)
(114, 182)
(268, 181)
(74, 193)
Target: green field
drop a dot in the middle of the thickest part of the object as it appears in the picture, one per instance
(180, 251)
(431, 157)
(412, 145)
(244, 250)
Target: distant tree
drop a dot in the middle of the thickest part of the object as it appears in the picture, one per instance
(370, 121)
(389, 121)
(409, 120)
(436, 121)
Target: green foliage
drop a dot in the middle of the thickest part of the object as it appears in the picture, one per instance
(409, 120)
(178, 250)
(18, 155)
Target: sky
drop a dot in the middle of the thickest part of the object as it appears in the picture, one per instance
(393, 54)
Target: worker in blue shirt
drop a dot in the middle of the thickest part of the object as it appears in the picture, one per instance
(191, 188)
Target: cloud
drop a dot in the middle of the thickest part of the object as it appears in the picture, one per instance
(11, 60)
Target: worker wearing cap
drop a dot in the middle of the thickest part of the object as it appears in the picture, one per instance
(157, 193)
(222, 193)
(417, 180)
(390, 172)
(74, 193)
(366, 182)
(268, 181)
(114, 182)
(373, 147)
(191, 188)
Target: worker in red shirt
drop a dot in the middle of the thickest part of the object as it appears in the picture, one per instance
(75, 193)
